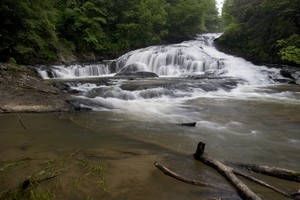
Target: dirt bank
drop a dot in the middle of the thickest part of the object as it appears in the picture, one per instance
(21, 90)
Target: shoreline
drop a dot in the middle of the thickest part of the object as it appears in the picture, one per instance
(23, 91)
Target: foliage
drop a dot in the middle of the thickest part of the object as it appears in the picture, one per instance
(190, 17)
(27, 30)
(39, 31)
(289, 53)
(82, 23)
(254, 27)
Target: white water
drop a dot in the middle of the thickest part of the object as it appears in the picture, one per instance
(166, 98)
(173, 60)
(188, 58)
(74, 71)
(238, 67)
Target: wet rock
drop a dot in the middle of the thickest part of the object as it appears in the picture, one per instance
(134, 67)
(110, 92)
(291, 73)
(76, 106)
(136, 74)
(65, 87)
(188, 124)
(136, 70)
(25, 92)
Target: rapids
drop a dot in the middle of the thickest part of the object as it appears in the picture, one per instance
(187, 71)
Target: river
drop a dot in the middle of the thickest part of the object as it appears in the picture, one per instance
(241, 113)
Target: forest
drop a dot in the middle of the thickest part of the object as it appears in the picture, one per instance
(263, 31)
(48, 31)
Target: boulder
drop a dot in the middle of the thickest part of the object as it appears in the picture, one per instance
(137, 74)
(134, 67)
(291, 73)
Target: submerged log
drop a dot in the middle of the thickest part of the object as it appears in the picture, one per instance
(226, 171)
(20, 120)
(170, 173)
(272, 171)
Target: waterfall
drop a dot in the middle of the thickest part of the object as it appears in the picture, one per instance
(165, 60)
(196, 58)
(190, 71)
(75, 71)
(171, 60)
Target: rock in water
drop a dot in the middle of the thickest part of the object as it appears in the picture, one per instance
(136, 74)
(188, 124)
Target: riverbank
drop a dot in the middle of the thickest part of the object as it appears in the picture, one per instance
(23, 91)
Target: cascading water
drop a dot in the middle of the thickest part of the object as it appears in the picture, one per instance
(198, 57)
(187, 71)
(173, 60)
(170, 60)
(75, 71)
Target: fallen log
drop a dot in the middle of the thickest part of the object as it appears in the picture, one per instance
(226, 171)
(255, 180)
(271, 171)
(20, 120)
(170, 173)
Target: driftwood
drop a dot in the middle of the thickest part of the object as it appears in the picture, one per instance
(226, 171)
(20, 120)
(255, 180)
(241, 188)
(170, 173)
(272, 171)
(231, 172)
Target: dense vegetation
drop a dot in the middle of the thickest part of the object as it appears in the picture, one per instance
(264, 31)
(39, 31)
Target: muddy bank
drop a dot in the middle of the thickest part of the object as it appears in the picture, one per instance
(23, 91)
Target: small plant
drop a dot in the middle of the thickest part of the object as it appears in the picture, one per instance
(95, 171)
(54, 177)
(41, 195)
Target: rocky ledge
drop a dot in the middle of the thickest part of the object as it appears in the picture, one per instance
(23, 91)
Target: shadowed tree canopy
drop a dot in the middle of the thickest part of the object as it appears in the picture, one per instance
(264, 31)
(41, 31)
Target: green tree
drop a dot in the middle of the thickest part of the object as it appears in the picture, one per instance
(152, 21)
(187, 18)
(138, 23)
(39, 31)
(254, 27)
(82, 23)
(28, 31)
